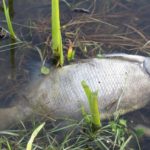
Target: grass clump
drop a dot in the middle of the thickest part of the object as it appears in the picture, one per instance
(72, 135)
(114, 133)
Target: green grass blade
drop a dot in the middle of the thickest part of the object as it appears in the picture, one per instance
(85, 115)
(126, 143)
(95, 109)
(8, 145)
(34, 134)
(8, 133)
(8, 20)
(87, 91)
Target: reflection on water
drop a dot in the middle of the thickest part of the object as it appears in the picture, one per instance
(11, 8)
(12, 41)
(114, 26)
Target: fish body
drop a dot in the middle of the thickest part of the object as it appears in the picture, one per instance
(122, 81)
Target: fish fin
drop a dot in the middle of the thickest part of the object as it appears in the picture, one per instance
(133, 58)
(146, 65)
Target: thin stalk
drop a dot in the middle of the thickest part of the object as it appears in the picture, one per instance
(8, 20)
(56, 32)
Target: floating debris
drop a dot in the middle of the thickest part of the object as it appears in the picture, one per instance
(4, 34)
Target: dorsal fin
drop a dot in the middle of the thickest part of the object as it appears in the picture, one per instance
(134, 58)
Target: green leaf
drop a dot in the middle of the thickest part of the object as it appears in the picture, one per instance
(70, 54)
(113, 126)
(87, 91)
(95, 109)
(139, 132)
(33, 136)
(123, 122)
(85, 115)
(45, 70)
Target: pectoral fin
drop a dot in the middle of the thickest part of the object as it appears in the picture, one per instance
(146, 65)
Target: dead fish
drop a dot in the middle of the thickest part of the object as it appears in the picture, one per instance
(122, 81)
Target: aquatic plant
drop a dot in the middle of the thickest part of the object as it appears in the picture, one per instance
(71, 52)
(56, 33)
(8, 20)
(93, 104)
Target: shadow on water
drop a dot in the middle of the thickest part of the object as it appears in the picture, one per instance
(94, 27)
(12, 41)
(5, 35)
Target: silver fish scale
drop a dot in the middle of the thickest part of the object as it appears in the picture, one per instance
(113, 78)
(109, 83)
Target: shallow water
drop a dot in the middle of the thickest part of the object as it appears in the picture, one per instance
(96, 25)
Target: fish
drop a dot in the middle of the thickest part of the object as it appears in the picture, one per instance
(122, 82)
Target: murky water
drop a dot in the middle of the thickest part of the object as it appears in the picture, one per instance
(96, 26)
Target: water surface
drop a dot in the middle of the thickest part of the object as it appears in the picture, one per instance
(95, 27)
